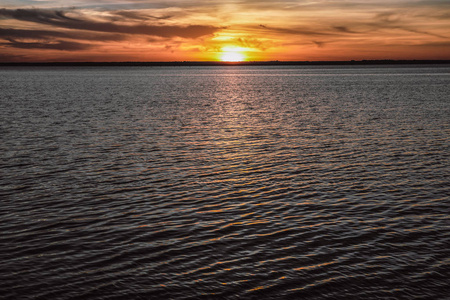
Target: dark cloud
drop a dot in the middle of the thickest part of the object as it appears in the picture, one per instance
(319, 44)
(344, 29)
(60, 19)
(10, 33)
(425, 32)
(58, 45)
(136, 15)
(295, 31)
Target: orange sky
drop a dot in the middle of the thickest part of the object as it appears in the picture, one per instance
(205, 30)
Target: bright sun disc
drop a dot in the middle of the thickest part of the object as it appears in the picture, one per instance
(232, 56)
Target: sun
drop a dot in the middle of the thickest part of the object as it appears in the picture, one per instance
(232, 54)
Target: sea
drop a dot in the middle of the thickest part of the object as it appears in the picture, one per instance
(225, 182)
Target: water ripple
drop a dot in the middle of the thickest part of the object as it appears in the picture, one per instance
(228, 183)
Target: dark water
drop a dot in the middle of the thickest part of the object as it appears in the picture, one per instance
(225, 182)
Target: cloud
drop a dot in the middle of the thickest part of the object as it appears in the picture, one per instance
(136, 15)
(391, 20)
(58, 45)
(294, 31)
(319, 44)
(344, 29)
(424, 32)
(46, 34)
(250, 43)
(60, 19)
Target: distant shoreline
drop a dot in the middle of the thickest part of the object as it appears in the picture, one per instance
(220, 63)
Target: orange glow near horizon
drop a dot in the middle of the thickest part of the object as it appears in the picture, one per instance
(223, 31)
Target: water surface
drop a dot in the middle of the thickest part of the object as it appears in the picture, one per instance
(224, 182)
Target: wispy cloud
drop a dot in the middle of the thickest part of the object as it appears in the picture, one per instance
(58, 45)
(9, 33)
(293, 31)
(62, 20)
(126, 15)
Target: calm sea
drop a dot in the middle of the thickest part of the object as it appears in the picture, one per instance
(225, 182)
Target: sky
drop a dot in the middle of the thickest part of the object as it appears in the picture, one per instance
(227, 30)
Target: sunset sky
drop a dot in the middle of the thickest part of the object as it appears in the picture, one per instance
(228, 30)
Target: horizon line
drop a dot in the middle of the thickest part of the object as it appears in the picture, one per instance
(225, 63)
